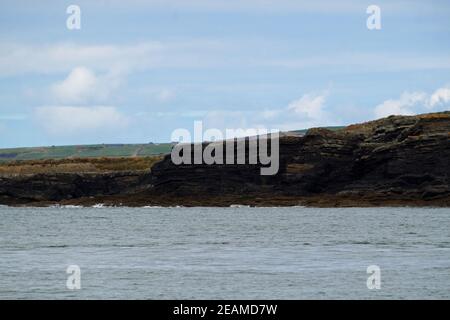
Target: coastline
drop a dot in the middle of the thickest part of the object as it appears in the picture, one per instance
(322, 201)
(394, 161)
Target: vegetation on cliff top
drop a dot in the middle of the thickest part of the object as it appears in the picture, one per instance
(78, 165)
(84, 151)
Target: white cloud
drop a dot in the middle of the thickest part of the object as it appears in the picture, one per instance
(16, 59)
(66, 120)
(306, 112)
(82, 85)
(411, 103)
(62, 57)
(439, 97)
(309, 107)
(405, 105)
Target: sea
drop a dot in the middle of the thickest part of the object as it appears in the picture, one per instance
(224, 253)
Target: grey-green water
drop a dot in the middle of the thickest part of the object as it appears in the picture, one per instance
(224, 253)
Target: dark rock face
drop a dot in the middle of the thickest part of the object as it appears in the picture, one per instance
(62, 186)
(398, 157)
(209, 180)
(397, 160)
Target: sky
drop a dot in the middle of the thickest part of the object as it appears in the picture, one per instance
(137, 70)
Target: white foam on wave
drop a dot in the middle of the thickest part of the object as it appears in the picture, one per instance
(239, 206)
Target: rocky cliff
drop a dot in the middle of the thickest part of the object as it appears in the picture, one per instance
(399, 160)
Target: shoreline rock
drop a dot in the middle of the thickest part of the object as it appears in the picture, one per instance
(394, 161)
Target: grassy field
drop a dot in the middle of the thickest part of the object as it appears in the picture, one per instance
(78, 165)
(96, 150)
(84, 151)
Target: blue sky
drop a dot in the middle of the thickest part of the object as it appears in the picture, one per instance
(137, 70)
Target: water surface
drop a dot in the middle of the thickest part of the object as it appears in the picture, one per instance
(224, 253)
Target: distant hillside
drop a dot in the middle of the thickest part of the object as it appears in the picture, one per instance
(84, 151)
(100, 150)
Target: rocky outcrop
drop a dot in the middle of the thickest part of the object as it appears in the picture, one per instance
(399, 160)
(56, 187)
(403, 158)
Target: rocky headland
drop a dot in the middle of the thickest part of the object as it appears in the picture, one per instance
(394, 161)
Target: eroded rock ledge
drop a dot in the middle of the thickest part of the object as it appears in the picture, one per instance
(399, 160)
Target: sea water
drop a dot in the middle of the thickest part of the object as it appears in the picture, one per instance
(224, 253)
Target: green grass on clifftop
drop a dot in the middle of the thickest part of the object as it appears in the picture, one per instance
(97, 150)
(84, 151)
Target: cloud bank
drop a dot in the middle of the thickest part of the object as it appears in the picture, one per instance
(83, 86)
(410, 103)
